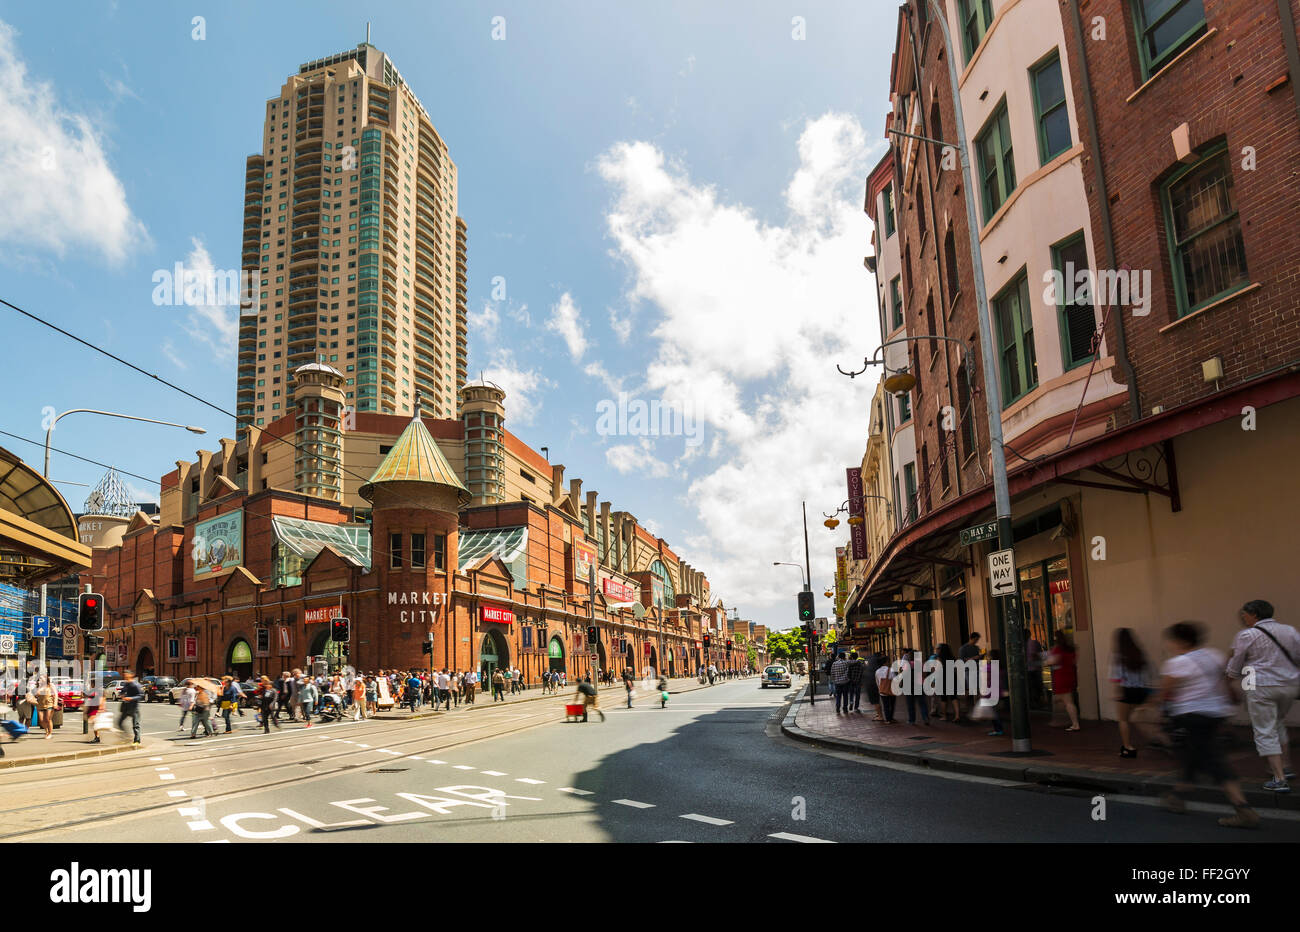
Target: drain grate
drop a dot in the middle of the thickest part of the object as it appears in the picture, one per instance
(390, 770)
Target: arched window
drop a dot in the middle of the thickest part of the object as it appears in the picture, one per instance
(665, 594)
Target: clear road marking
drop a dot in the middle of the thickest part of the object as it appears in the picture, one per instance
(432, 761)
(219, 841)
(162, 768)
(200, 826)
(805, 839)
(416, 757)
(708, 820)
(175, 793)
(575, 791)
(167, 776)
(361, 745)
(155, 758)
(188, 811)
(463, 767)
(634, 804)
(386, 751)
(528, 780)
(493, 773)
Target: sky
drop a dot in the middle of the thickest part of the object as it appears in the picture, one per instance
(664, 204)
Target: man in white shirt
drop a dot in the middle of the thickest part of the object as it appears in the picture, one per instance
(442, 682)
(1264, 655)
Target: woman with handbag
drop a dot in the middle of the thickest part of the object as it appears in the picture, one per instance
(1128, 671)
(1192, 685)
(885, 686)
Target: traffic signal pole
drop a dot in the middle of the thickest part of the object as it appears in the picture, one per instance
(807, 587)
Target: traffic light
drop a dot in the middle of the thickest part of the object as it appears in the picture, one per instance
(94, 644)
(706, 642)
(728, 647)
(806, 609)
(340, 630)
(593, 635)
(426, 648)
(90, 611)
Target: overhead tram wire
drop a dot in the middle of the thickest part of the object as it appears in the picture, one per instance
(75, 456)
(188, 394)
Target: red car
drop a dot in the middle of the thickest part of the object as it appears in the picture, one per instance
(72, 693)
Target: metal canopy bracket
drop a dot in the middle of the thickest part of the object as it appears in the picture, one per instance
(1149, 469)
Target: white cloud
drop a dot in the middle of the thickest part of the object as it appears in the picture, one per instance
(621, 325)
(141, 495)
(484, 323)
(748, 319)
(597, 370)
(566, 320)
(212, 325)
(58, 190)
(522, 387)
(169, 350)
(637, 458)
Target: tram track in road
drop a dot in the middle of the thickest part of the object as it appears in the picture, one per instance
(46, 814)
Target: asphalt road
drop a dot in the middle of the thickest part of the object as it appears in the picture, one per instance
(711, 767)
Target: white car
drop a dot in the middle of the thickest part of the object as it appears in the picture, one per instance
(775, 675)
(114, 689)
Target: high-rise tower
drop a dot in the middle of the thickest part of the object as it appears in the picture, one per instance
(350, 215)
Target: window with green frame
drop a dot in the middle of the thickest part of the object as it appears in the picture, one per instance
(889, 210)
(904, 407)
(1077, 320)
(997, 164)
(976, 17)
(896, 302)
(1013, 317)
(1206, 252)
(1050, 112)
(1165, 28)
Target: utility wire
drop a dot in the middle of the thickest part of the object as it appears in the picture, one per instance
(75, 456)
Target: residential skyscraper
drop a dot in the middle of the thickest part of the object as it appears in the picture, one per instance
(350, 214)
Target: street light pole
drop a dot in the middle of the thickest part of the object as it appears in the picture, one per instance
(129, 417)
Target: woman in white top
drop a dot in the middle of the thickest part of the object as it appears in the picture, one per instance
(1193, 689)
(186, 702)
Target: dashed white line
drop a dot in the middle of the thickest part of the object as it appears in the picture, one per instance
(463, 767)
(190, 811)
(574, 790)
(493, 773)
(160, 769)
(155, 758)
(177, 793)
(387, 751)
(200, 826)
(432, 761)
(634, 804)
(528, 780)
(167, 776)
(708, 820)
(804, 839)
(361, 745)
(416, 757)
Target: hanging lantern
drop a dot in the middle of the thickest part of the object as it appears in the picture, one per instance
(900, 382)
(832, 523)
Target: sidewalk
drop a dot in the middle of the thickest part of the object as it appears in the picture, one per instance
(1087, 759)
(68, 743)
(677, 685)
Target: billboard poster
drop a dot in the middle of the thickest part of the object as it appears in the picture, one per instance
(584, 557)
(616, 591)
(191, 649)
(218, 545)
(841, 579)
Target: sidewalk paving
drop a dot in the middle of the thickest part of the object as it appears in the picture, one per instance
(68, 743)
(1087, 759)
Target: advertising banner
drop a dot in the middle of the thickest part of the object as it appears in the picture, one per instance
(191, 649)
(841, 579)
(616, 591)
(497, 614)
(858, 531)
(218, 545)
(584, 557)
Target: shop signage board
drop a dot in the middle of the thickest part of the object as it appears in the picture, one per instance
(973, 535)
(191, 649)
(313, 616)
(1002, 572)
(496, 614)
(915, 605)
(218, 545)
(857, 531)
(617, 591)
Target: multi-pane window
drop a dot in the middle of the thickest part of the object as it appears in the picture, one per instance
(417, 551)
(997, 166)
(909, 491)
(1165, 28)
(889, 210)
(1204, 229)
(904, 408)
(965, 415)
(439, 551)
(976, 16)
(1049, 108)
(1013, 317)
(896, 302)
(1077, 319)
(395, 551)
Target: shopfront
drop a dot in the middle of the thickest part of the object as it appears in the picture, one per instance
(1046, 608)
(239, 659)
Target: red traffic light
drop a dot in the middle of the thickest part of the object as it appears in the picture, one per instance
(92, 603)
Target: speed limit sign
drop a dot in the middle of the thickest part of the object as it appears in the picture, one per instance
(6, 644)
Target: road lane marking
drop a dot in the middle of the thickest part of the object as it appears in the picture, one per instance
(160, 769)
(175, 793)
(708, 820)
(189, 811)
(167, 776)
(804, 839)
(360, 745)
(432, 761)
(494, 773)
(200, 826)
(463, 767)
(574, 790)
(416, 757)
(387, 751)
(528, 780)
(155, 758)
(634, 804)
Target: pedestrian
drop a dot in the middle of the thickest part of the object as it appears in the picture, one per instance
(1192, 687)
(826, 669)
(130, 694)
(1271, 651)
(444, 688)
(856, 670)
(186, 702)
(359, 698)
(266, 701)
(873, 693)
(885, 686)
(1034, 668)
(470, 681)
(588, 697)
(372, 696)
(970, 651)
(94, 702)
(47, 700)
(1065, 675)
(413, 687)
(838, 674)
(628, 683)
(230, 694)
(946, 694)
(995, 674)
(307, 694)
(202, 712)
(1129, 672)
(913, 694)
(498, 685)
(295, 694)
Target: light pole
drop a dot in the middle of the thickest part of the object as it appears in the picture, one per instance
(130, 417)
(1015, 645)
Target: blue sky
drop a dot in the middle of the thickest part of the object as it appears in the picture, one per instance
(671, 193)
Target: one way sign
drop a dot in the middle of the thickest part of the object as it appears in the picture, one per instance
(1002, 572)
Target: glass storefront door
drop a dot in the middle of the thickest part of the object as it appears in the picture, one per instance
(1047, 606)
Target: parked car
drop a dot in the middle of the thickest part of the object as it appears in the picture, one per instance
(212, 685)
(775, 675)
(72, 693)
(113, 691)
(157, 688)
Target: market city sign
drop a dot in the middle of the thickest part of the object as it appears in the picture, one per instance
(418, 614)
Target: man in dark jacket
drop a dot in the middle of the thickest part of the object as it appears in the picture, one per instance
(873, 692)
(856, 669)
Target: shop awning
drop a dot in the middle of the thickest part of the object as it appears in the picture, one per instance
(306, 539)
(508, 544)
(38, 535)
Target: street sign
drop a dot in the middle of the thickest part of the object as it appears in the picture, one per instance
(1002, 572)
(7, 645)
(915, 605)
(40, 626)
(69, 637)
(973, 535)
